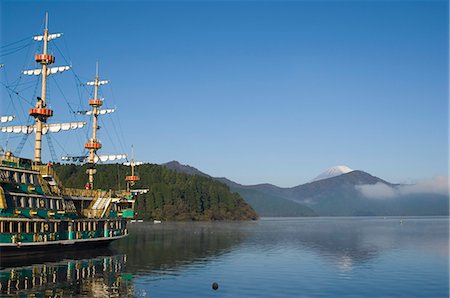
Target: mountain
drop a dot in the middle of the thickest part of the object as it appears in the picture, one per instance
(347, 195)
(263, 203)
(333, 172)
(178, 167)
(266, 204)
(338, 191)
(172, 195)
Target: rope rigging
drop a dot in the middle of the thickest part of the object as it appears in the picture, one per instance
(19, 91)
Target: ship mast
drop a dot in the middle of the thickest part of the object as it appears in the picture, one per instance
(131, 180)
(93, 145)
(40, 112)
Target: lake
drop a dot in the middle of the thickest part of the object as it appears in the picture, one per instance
(272, 257)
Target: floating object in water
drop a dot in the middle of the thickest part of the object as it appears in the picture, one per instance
(215, 286)
(156, 221)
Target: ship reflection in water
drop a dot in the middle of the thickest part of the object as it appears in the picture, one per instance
(87, 274)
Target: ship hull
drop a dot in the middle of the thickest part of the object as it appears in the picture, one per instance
(42, 248)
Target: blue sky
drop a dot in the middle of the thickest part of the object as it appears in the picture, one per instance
(254, 91)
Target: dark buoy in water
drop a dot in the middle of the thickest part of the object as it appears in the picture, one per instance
(215, 286)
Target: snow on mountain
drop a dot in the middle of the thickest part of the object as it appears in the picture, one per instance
(333, 172)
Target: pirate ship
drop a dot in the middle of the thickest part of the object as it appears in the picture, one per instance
(37, 213)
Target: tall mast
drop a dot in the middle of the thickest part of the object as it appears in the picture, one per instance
(93, 145)
(131, 180)
(40, 112)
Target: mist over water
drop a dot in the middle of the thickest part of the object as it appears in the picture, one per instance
(272, 257)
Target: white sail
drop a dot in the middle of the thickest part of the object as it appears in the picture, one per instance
(18, 129)
(112, 157)
(92, 83)
(51, 70)
(75, 158)
(54, 127)
(50, 36)
(102, 158)
(135, 163)
(138, 191)
(4, 119)
(99, 112)
(57, 127)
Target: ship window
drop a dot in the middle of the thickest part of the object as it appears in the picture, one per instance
(78, 226)
(10, 176)
(50, 227)
(84, 226)
(27, 227)
(57, 204)
(63, 226)
(14, 227)
(52, 205)
(2, 226)
(19, 227)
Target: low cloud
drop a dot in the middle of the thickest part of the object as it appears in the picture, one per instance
(438, 185)
(377, 191)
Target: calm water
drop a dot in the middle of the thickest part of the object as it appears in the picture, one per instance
(309, 257)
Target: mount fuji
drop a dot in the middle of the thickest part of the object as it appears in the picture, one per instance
(333, 172)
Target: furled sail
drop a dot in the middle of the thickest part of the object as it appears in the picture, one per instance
(112, 157)
(92, 83)
(50, 36)
(74, 158)
(97, 158)
(138, 191)
(4, 119)
(99, 112)
(51, 70)
(136, 163)
(53, 127)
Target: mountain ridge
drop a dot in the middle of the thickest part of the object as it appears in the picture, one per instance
(340, 195)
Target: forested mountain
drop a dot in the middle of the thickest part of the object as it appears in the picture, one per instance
(172, 195)
(263, 203)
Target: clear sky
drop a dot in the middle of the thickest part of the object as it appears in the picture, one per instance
(253, 91)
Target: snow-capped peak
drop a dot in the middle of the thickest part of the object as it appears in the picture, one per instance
(333, 172)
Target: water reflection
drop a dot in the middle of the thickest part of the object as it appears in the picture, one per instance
(166, 247)
(317, 257)
(83, 274)
(349, 242)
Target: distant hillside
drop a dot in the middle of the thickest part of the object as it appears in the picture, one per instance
(340, 192)
(264, 204)
(171, 196)
(342, 196)
(177, 167)
(269, 205)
